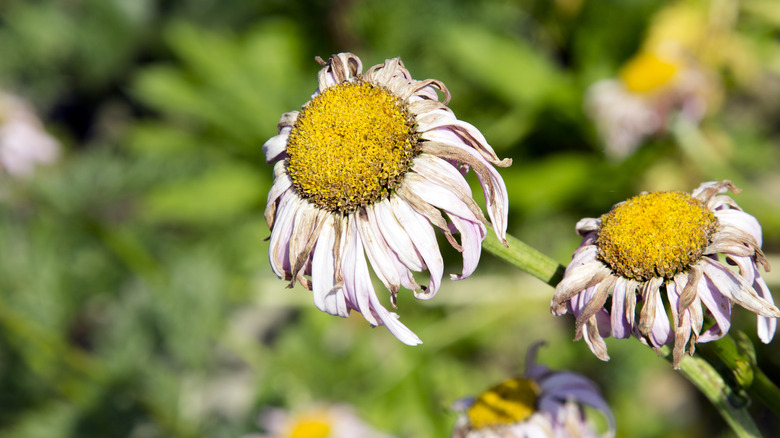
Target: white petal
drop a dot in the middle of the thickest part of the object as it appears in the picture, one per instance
(377, 251)
(276, 147)
(327, 297)
(424, 240)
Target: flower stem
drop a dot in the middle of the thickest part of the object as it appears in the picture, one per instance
(731, 404)
(734, 352)
(702, 374)
(526, 258)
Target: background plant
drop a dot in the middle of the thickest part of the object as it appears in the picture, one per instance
(136, 297)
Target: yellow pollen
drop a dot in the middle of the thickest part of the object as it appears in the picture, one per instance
(350, 146)
(646, 72)
(657, 234)
(510, 402)
(312, 426)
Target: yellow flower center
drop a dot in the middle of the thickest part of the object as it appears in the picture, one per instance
(314, 426)
(510, 402)
(350, 146)
(655, 234)
(646, 72)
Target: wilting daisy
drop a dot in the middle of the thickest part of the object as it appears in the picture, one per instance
(318, 421)
(24, 143)
(541, 404)
(369, 167)
(667, 244)
(651, 87)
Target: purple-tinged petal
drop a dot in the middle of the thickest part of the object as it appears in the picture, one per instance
(578, 279)
(660, 334)
(471, 236)
(719, 307)
(424, 240)
(741, 221)
(766, 326)
(279, 245)
(736, 289)
(587, 225)
(357, 282)
(275, 148)
(395, 236)
(377, 251)
(282, 183)
(621, 327)
(327, 296)
(442, 198)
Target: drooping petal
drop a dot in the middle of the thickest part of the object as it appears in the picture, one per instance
(279, 245)
(576, 280)
(621, 327)
(424, 241)
(741, 221)
(328, 296)
(359, 281)
(378, 252)
(719, 307)
(396, 237)
(737, 290)
(766, 325)
(472, 234)
(275, 148)
(282, 183)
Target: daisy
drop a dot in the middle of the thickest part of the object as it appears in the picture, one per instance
(667, 244)
(368, 168)
(24, 142)
(316, 421)
(542, 403)
(651, 87)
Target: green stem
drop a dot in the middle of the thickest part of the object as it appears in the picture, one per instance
(731, 404)
(524, 257)
(735, 354)
(702, 375)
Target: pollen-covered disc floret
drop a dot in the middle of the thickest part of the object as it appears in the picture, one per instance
(364, 174)
(350, 146)
(664, 250)
(655, 234)
(509, 402)
(541, 403)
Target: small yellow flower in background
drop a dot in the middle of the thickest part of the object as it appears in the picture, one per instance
(317, 421)
(651, 88)
(674, 74)
(24, 142)
(667, 243)
(369, 167)
(541, 404)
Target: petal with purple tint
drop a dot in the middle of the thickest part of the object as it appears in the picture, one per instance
(424, 240)
(276, 147)
(766, 326)
(327, 297)
(395, 236)
(741, 221)
(719, 307)
(621, 327)
(472, 234)
(378, 252)
(279, 246)
(735, 288)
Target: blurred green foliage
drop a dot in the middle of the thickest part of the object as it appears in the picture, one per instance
(135, 296)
